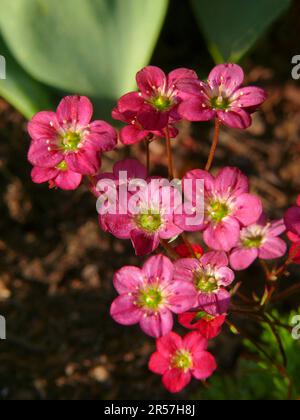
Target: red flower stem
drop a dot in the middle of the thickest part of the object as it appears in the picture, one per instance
(214, 145)
(169, 249)
(170, 154)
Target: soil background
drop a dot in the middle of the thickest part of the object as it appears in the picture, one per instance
(56, 266)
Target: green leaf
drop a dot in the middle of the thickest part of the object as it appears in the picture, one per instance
(92, 47)
(233, 26)
(23, 92)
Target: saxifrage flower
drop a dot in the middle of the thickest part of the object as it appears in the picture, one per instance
(222, 97)
(228, 207)
(178, 360)
(66, 144)
(209, 276)
(260, 240)
(149, 296)
(207, 325)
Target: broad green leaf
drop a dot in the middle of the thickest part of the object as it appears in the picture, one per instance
(233, 26)
(23, 92)
(91, 47)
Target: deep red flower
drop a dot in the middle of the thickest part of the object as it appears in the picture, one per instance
(184, 252)
(208, 326)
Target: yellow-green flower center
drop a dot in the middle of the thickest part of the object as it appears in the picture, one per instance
(71, 141)
(149, 222)
(219, 102)
(162, 103)
(182, 359)
(253, 242)
(150, 298)
(62, 166)
(218, 211)
(205, 282)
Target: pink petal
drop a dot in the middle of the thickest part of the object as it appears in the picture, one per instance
(134, 169)
(195, 109)
(235, 118)
(205, 366)
(143, 243)
(169, 344)
(272, 248)
(185, 269)
(249, 97)
(78, 109)
(43, 125)
(124, 312)
(183, 296)
(152, 119)
(150, 79)
(175, 380)
(215, 304)
(40, 175)
(176, 75)
(223, 236)
(170, 230)
(192, 187)
(159, 364)
(160, 267)
(215, 259)
(229, 76)
(132, 134)
(242, 258)
(231, 180)
(195, 343)
(226, 276)
(40, 155)
(277, 228)
(85, 162)
(292, 220)
(119, 225)
(130, 104)
(293, 237)
(103, 136)
(128, 280)
(248, 209)
(68, 180)
(157, 325)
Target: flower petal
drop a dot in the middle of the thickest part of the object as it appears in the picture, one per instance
(132, 134)
(103, 136)
(134, 169)
(169, 344)
(40, 154)
(124, 312)
(235, 118)
(185, 268)
(41, 175)
(195, 109)
(228, 76)
(182, 73)
(183, 296)
(160, 267)
(248, 209)
(119, 225)
(272, 248)
(204, 366)
(277, 228)
(250, 96)
(223, 236)
(159, 364)
(68, 180)
(215, 304)
(292, 220)
(150, 79)
(43, 125)
(242, 258)
(215, 259)
(143, 243)
(152, 119)
(128, 280)
(157, 325)
(75, 109)
(175, 380)
(85, 162)
(195, 343)
(231, 180)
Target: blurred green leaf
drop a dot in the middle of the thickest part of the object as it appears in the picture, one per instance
(233, 26)
(91, 47)
(23, 92)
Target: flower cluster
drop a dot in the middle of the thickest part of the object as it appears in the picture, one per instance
(192, 283)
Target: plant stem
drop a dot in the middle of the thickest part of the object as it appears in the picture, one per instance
(214, 145)
(189, 245)
(147, 144)
(169, 249)
(170, 154)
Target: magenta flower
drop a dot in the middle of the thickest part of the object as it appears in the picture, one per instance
(207, 325)
(155, 106)
(228, 207)
(127, 111)
(222, 97)
(149, 220)
(66, 144)
(149, 296)
(209, 277)
(292, 222)
(179, 360)
(260, 240)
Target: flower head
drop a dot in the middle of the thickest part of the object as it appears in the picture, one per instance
(150, 295)
(228, 207)
(154, 107)
(184, 252)
(222, 97)
(66, 145)
(260, 240)
(209, 276)
(207, 325)
(179, 359)
(292, 222)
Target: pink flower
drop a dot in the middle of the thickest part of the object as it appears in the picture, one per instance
(208, 326)
(209, 277)
(292, 222)
(127, 111)
(150, 295)
(178, 360)
(260, 240)
(148, 221)
(67, 143)
(228, 207)
(222, 97)
(155, 106)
